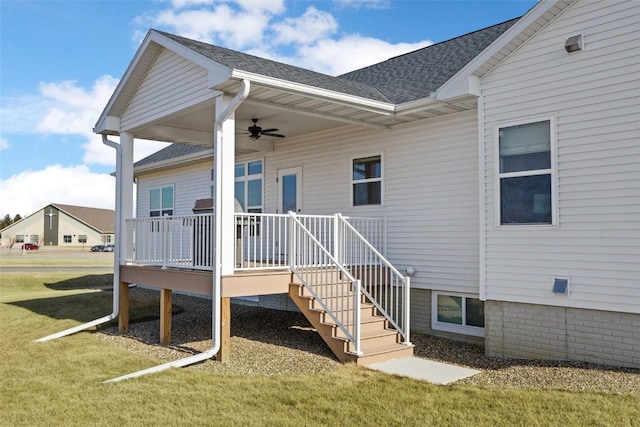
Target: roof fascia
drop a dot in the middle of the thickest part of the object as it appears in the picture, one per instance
(379, 107)
(465, 82)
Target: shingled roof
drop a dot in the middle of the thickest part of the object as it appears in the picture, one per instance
(416, 74)
(400, 79)
(266, 67)
(102, 220)
(170, 152)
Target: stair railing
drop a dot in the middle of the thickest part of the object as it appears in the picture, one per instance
(326, 279)
(383, 285)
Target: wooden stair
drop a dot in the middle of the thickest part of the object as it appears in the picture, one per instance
(378, 341)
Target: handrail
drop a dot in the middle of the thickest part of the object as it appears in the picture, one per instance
(326, 279)
(386, 287)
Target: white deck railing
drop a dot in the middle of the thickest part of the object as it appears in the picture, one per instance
(261, 239)
(331, 284)
(171, 241)
(382, 283)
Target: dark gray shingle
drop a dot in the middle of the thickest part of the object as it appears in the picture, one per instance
(400, 79)
(266, 67)
(416, 74)
(170, 152)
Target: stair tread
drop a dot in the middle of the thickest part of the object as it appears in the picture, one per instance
(388, 348)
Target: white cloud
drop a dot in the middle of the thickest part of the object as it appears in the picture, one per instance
(308, 28)
(30, 190)
(368, 4)
(350, 53)
(4, 144)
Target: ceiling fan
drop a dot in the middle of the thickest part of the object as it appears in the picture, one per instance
(256, 131)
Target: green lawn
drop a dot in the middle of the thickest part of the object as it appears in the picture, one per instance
(60, 383)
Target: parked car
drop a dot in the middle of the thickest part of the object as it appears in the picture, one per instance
(97, 248)
(30, 247)
(109, 248)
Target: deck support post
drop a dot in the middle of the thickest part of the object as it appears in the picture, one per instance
(225, 330)
(165, 316)
(123, 312)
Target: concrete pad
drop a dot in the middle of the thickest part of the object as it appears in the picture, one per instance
(424, 370)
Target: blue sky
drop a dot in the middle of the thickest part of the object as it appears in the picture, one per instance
(61, 60)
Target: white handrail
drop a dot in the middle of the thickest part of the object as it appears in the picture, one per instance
(386, 287)
(327, 280)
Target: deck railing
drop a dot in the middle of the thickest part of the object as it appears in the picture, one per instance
(326, 279)
(171, 241)
(382, 283)
(261, 240)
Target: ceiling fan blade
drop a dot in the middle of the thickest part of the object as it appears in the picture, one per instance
(270, 130)
(272, 134)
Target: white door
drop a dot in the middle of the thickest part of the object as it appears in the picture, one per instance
(289, 190)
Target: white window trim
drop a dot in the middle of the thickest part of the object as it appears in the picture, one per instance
(173, 201)
(450, 327)
(552, 119)
(361, 181)
(246, 178)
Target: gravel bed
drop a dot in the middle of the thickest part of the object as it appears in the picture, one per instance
(273, 342)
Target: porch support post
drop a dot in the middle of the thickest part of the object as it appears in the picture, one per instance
(123, 303)
(225, 330)
(165, 316)
(224, 161)
(126, 188)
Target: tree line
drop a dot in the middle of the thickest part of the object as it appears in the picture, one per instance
(7, 220)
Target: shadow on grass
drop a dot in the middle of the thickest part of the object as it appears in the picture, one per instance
(88, 282)
(87, 306)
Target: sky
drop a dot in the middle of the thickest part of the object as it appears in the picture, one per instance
(60, 61)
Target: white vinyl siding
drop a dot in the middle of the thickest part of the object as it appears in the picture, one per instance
(189, 184)
(161, 94)
(430, 172)
(595, 96)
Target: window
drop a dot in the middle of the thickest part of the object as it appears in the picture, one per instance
(19, 238)
(457, 313)
(248, 186)
(82, 238)
(34, 238)
(67, 238)
(108, 239)
(525, 162)
(161, 201)
(366, 181)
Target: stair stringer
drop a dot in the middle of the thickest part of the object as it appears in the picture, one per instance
(340, 346)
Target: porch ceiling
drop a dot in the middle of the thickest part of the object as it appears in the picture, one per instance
(294, 114)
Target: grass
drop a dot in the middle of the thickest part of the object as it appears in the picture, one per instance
(42, 258)
(61, 382)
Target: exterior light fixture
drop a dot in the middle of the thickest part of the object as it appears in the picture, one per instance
(573, 43)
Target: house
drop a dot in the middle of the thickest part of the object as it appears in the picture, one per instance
(495, 175)
(63, 226)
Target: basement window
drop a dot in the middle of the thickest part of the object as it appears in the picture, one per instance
(457, 313)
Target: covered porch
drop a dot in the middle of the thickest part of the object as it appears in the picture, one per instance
(332, 266)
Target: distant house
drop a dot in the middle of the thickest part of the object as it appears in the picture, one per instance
(63, 225)
(495, 175)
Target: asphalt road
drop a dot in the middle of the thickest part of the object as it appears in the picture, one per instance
(51, 259)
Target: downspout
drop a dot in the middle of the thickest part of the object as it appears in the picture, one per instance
(117, 251)
(217, 276)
